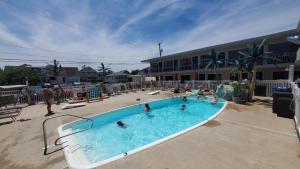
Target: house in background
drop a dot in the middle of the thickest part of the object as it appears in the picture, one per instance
(67, 75)
(144, 72)
(117, 77)
(88, 74)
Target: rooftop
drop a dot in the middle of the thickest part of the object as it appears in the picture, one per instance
(245, 41)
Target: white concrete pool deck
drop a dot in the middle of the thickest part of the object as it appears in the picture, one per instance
(243, 136)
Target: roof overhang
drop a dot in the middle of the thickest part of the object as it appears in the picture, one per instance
(225, 45)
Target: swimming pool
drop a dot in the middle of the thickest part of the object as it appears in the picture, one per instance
(106, 141)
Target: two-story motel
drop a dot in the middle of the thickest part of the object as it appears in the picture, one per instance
(190, 65)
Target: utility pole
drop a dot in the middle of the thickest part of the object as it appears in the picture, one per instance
(160, 49)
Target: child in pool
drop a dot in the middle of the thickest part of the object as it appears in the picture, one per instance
(121, 124)
(183, 107)
(147, 107)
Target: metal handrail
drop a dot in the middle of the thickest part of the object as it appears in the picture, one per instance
(56, 141)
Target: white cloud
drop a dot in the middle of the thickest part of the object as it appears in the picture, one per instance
(103, 44)
(153, 7)
(8, 37)
(239, 21)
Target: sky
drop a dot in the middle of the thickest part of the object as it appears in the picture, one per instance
(122, 33)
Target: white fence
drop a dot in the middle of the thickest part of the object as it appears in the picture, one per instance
(193, 84)
(269, 84)
(94, 90)
(296, 94)
(70, 91)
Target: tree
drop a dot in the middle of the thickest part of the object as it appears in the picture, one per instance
(135, 72)
(213, 62)
(55, 69)
(126, 71)
(104, 71)
(19, 76)
(254, 55)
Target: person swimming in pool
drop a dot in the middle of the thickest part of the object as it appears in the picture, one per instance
(184, 98)
(214, 99)
(121, 124)
(183, 107)
(147, 107)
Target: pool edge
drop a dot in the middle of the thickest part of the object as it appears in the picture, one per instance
(71, 162)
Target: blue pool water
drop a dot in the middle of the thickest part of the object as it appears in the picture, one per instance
(106, 139)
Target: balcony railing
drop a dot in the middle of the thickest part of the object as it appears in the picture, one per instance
(282, 59)
(187, 67)
(229, 64)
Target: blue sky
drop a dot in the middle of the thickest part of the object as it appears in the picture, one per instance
(124, 32)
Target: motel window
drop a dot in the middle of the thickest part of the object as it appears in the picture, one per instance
(168, 78)
(154, 67)
(221, 57)
(201, 76)
(185, 64)
(232, 56)
(244, 75)
(160, 66)
(280, 75)
(259, 75)
(283, 52)
(204, 60)
(296, 75)
(185, 77)
(195, 62)
(175, 64)
(214, 77)
(168, 65)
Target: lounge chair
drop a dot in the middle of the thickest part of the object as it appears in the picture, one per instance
(10, 113)
(154, 92)
(74, 105)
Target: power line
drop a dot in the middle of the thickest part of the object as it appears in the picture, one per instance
(62, 61)
(26, 54)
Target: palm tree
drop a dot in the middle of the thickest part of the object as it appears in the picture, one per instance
(253, 56)
(213, 62)
(103, 71)
(240, 66)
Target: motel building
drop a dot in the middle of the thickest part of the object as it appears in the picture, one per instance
(190, 65)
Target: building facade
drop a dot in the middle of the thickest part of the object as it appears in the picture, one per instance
(190, 65)
(118, 77)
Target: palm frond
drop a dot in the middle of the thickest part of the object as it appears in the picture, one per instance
(262, 43)
(219, 62)
(244, 54)
(209, 64)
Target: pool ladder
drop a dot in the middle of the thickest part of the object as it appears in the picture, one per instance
(56, 141)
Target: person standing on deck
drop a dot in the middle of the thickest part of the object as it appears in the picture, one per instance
(48, 97)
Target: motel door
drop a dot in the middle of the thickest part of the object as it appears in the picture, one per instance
(185, 77)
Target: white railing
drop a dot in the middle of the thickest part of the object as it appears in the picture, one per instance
(71, 91)
(269, 84)
(193, 84)
(296, 95)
